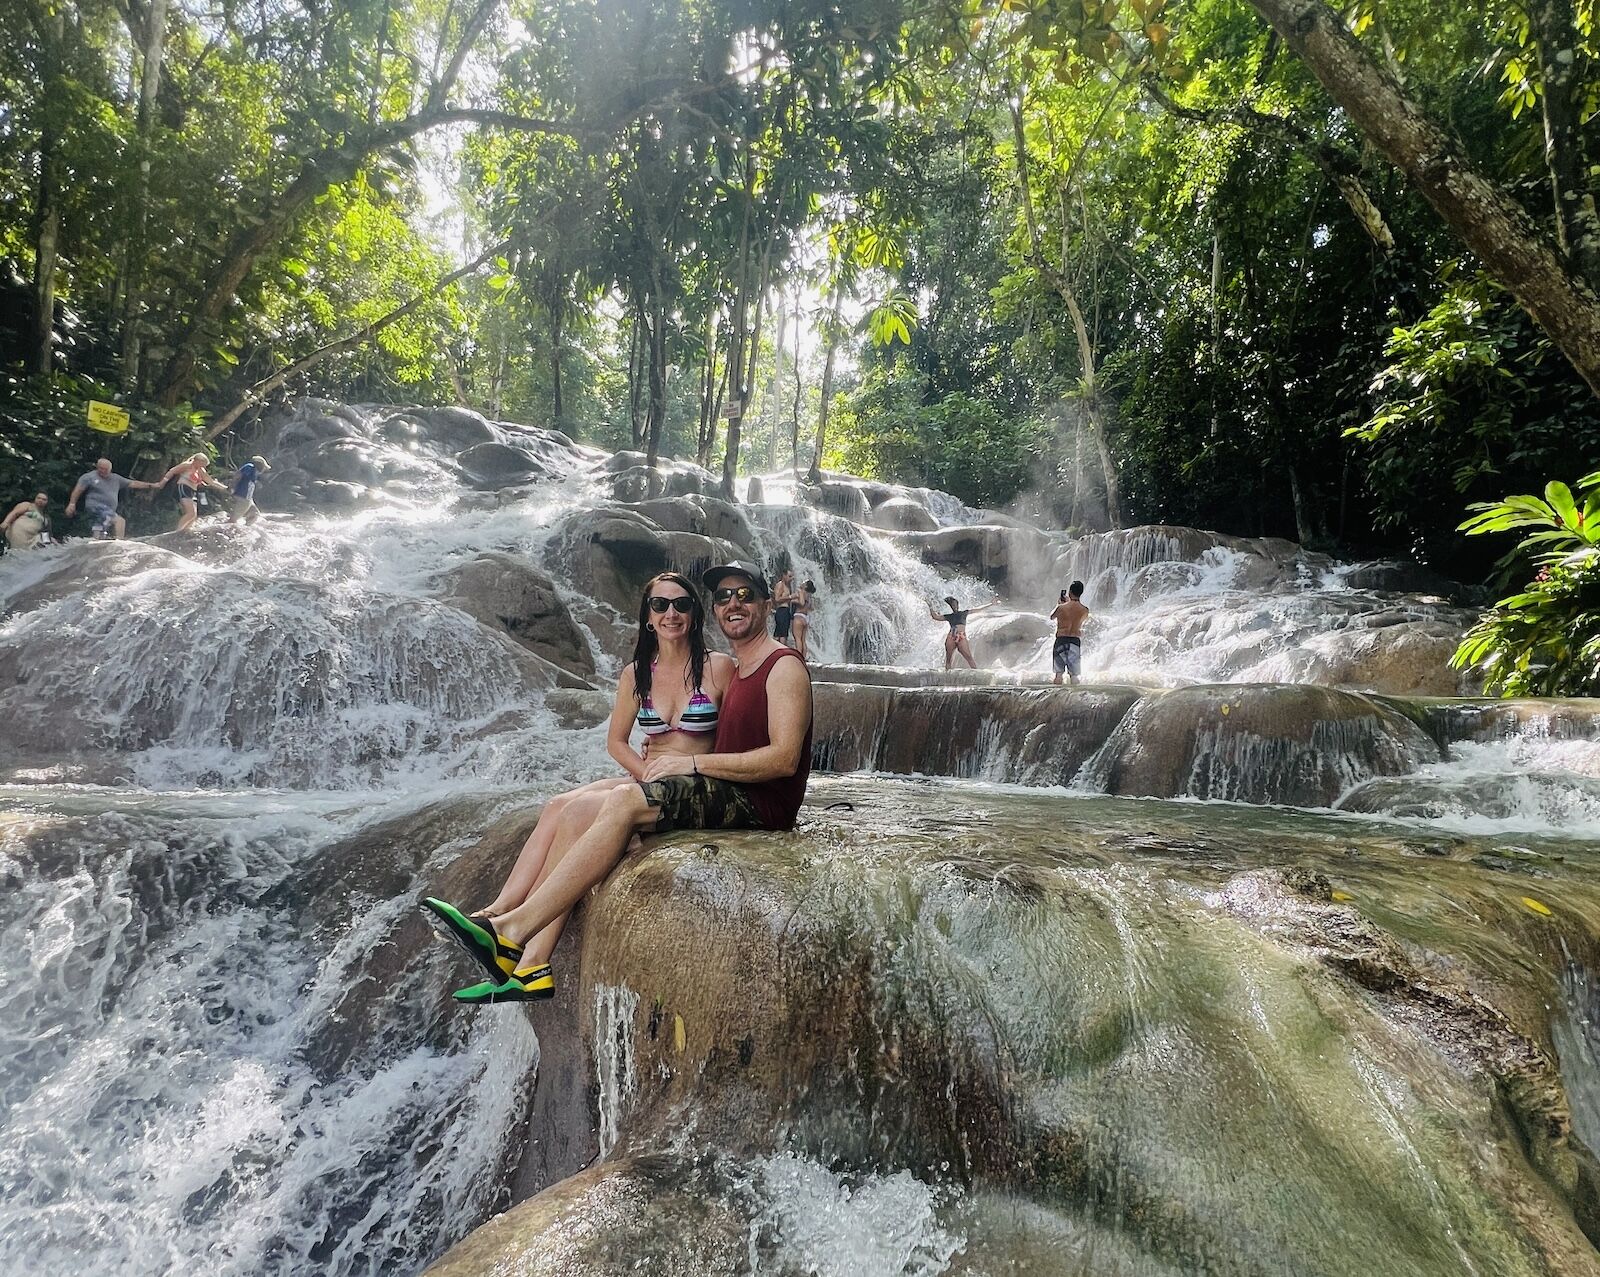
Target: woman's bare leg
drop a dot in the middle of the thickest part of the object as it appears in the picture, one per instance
(191, 512)
(524, 875)
(965, 649)
(949, 650)
(801, 625)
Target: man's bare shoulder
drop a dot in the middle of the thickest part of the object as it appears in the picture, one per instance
(790, 675)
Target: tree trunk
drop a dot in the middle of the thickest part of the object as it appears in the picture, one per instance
(1304, 526)
(706, 437)
(799, 395)
(1485, 216)
(636, 356)
(1058, 279)
(657, 412)
(1555, 33)
(555, 367)
(776, 414)
(832, 339)
(48, 211)
(133, 302)
(736, 334)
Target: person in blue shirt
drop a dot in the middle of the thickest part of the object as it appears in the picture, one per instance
(244, 489)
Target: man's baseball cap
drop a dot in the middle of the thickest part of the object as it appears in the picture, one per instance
(260, 463)
(712, 577)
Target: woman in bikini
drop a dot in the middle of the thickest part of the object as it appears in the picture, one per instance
(803, 597)
(956, 618)
(192, 477)
(670, 692)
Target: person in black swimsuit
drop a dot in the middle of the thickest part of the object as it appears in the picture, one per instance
(956, 619)
(784, 601)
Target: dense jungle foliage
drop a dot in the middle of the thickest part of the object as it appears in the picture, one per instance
(1114, 261)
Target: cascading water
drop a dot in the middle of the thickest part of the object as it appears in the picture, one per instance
(240, 757)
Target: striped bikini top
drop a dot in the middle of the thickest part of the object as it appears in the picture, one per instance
(699, 715)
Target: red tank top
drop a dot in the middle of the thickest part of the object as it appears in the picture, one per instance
(742, 726)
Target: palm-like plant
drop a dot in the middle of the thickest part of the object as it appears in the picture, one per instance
(1544, 641)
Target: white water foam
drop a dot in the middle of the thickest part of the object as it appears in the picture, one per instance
(834, 1225)
(166, 1012)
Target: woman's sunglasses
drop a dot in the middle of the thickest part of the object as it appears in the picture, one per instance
(683, 603)
(743, 593)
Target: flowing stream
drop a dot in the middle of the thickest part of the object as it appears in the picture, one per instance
(233, 763)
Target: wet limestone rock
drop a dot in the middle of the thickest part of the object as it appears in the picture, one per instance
(1256, 743)
(491, 466)
(901, 514)
(1015, 562)
(702, 515)
(614, 552)
(1192, 1040)
(1032, 736)
(512, 595)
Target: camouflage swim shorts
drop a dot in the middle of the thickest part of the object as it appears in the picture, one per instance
(699, 802)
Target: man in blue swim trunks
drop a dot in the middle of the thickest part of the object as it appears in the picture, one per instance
(244, 489)
(100, 490)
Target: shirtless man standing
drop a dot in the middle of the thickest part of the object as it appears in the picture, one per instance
(1069, 616)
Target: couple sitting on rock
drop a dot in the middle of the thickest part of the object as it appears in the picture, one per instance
(728, 747)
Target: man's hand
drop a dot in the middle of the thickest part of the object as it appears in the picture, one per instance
(71, 509)
(668, 765)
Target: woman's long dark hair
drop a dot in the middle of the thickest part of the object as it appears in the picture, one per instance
(644, 651)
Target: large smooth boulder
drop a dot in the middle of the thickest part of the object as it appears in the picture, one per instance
(512, 595)
(614, 552)
(901, 514)
(496, 465)
(991, 1007)
(844, 499)
(1016, 562)
(1402, 576)
(702, 515)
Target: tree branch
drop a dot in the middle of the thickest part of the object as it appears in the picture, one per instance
(258, 392)
(1341, 168)
(1481, 212)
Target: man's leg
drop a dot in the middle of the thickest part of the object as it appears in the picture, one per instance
(622, 813)
(1074, 661)
(119, 526)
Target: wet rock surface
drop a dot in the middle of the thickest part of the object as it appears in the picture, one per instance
(514, 596)
(1014, 1019)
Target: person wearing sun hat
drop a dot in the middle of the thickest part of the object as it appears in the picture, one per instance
(244, 489)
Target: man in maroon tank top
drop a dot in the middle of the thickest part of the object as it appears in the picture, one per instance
(754, 778)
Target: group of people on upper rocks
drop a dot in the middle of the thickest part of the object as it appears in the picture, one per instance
(27, 526)
(1066, 653)
(791, 607)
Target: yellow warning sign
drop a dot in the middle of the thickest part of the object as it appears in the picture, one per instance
(107, 418)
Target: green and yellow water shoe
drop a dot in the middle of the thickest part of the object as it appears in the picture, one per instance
(526, 984)
(492, 951)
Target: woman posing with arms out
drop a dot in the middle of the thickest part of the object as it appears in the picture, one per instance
(671, 692)
(192, 477)
(956, 619)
